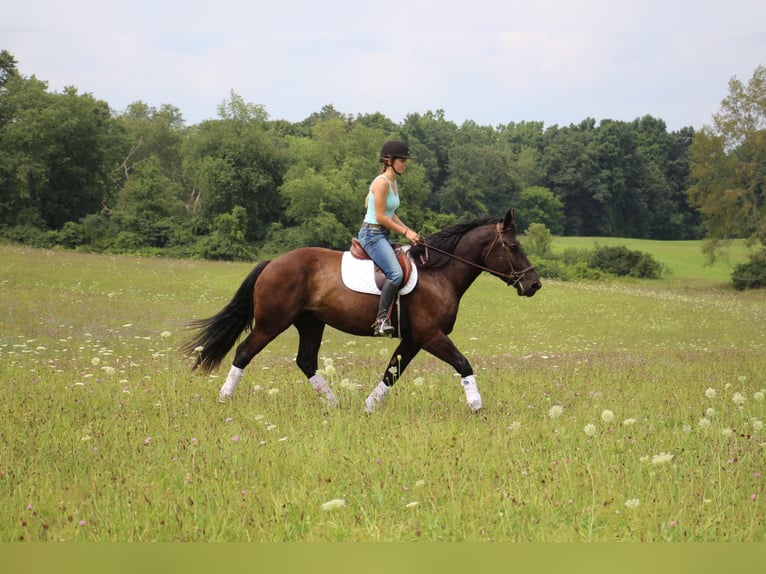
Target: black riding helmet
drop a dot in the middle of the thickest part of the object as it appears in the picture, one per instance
(394, 149)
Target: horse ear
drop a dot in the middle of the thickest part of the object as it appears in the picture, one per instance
(510, 220)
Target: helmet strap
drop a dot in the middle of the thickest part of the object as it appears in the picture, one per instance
(392, 166)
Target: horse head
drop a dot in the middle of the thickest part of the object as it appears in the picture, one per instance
(507, 260)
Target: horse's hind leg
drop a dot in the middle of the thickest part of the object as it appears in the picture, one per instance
(249, 348)
(310, 331)
(402, 356)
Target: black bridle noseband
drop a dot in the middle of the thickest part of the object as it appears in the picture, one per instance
(513, 278)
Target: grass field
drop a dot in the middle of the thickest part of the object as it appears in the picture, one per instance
(614, 411)
(685, 261)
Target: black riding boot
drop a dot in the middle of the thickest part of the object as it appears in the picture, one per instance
(382, 326)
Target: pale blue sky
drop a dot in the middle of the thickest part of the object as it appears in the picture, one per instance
(490, 61)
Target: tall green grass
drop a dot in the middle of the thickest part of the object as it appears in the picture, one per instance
(105, 434)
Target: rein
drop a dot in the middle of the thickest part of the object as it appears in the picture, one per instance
(511, 278)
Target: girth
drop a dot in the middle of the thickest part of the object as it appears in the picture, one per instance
(401, 256)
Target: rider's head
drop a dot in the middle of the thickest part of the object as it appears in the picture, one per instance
(393, 150)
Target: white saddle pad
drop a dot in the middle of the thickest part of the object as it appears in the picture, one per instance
(359, 275)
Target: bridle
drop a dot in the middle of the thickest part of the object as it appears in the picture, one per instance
(511, 278)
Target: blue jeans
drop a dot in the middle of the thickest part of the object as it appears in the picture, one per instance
(378, 246)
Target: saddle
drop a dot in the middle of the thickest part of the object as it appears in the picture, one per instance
(405, 262)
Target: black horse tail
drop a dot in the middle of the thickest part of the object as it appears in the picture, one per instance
(219, 332)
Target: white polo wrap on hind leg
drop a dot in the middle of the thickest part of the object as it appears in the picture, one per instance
(232, 380)
(323, 389)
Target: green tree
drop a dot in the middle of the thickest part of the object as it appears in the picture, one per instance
(56, 153)
(235, 161)
(540, 205)
(148, 212)
(728, 166)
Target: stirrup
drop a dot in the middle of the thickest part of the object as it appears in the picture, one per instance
(382, 328)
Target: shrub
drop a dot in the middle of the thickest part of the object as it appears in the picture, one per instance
(751, 274)
(621, 261)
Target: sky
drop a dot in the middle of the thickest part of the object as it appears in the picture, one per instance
(493, 62)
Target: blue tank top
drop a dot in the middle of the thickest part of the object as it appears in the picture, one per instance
(392, 202)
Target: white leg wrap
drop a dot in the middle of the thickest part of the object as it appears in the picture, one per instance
(375, 400)
(323, 390)
(232, 380)
(472, 396)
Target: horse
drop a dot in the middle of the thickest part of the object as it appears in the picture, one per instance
(304, 288)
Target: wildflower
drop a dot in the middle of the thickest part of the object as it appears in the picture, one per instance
(662, 458)
(727, 432)
(632, 503)
(165, 334)
(199, 349)
(95, 361)
(686, 428)
(514, 426)
(590, 430)
(607, 416)
(629, 422)
(412, 504)
(710, 393)
(555, 411)
(147, 440)
(82, 523)
(709, 413)
(418, 382)
(333, 504)
(758, 396)
(235, 438)
(273, 391)
(738, 398)
(703, 423)
(757, 425)
(420, 483)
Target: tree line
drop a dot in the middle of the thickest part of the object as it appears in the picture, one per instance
(77, 174)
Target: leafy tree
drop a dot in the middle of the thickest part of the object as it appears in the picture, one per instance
(539, 205)
(235, 161)
(728, 166)
(56, 153)
(148, 210)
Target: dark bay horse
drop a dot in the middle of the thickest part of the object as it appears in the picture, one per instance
(303, 288)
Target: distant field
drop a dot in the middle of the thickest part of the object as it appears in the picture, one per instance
(684, 258)
(614, 411)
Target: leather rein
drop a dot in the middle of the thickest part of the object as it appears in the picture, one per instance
(511, 278)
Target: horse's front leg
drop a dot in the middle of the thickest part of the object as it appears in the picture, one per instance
(402, 356)
(442, 347)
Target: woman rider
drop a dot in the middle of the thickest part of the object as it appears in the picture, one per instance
(379, 221)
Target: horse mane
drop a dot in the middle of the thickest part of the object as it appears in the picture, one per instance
(444, 240)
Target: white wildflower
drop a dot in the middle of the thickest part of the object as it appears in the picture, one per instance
(607, 416)
(555, 411)
(333, 504)
(662, 458)
(590, 430)
(738, 398)
(709, 413)
(632, 503)
(629, 422)
(710, 393)
(704, 423)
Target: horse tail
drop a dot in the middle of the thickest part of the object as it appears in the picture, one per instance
(219, 333)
